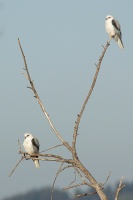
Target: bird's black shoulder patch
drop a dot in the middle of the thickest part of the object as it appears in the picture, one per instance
(115, 25)
(34, 143)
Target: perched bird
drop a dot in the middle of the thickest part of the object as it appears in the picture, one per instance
(31, 146)
(113, 28)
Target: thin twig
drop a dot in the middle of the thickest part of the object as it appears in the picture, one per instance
(74, 178)
(16, 166)
(55, 180)
(59, 171)
(52, 148)
(73, 186)
(54, 159)
(66, 167)
(106, 179)
(25, 75)
(19, 145)
(86, 194)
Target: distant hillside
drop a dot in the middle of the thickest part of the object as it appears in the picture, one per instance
(44, 194)
(41, 194)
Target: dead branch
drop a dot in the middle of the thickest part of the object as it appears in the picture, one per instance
(59, 171)
(16, 166)
(39, 100)
(85, 194)
(59, 145)
(106, 179)
(73, 186)
(84, 182)
(66, 167)
(74, 179)
(55, 180)
(87, 98)
(87, 174)
(120, 187)
(46, 157)
(19, 145)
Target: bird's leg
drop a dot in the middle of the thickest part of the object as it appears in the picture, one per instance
(112, 36)
(28, 157)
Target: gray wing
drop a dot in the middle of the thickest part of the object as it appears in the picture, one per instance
(116, 24)
(35, 143)
(118, 28)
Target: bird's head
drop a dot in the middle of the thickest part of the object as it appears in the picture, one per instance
(27, 135)
(109, 17)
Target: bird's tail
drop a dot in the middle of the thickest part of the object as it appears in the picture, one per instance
(119, 40)
(120, 43)
(37, 164)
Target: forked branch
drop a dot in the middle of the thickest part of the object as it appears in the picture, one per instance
(120, 187)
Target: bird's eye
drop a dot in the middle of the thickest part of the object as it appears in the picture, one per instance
(108, 18)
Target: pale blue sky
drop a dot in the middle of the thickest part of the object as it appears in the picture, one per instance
(62, 42)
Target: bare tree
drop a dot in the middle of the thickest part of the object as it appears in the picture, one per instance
(86, 177)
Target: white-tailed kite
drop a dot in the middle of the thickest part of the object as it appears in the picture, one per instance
(113, 28)
(31, 146)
